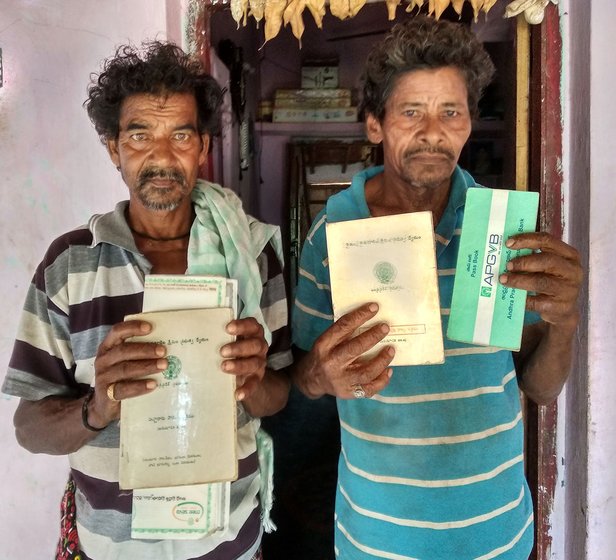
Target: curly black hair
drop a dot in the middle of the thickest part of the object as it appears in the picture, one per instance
(156, 68)
(424, 43)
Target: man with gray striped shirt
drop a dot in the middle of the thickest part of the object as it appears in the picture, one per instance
(155, 111)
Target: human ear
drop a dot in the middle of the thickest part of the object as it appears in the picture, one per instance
(373, 129)
(112, 150)
(205, 146)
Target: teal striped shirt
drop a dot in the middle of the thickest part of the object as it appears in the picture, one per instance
(431, 468)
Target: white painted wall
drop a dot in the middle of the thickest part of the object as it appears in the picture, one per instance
(54, 174)
(569, 521)
(601, 510)
(585, 517)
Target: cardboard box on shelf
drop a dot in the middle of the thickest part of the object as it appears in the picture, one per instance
(311, 94)
(289, 115)
(319, 76)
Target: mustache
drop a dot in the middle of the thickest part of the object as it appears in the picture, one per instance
(429, 150)
(169, 174)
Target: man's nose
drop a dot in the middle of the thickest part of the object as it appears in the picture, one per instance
(162, 153)
(431, 130)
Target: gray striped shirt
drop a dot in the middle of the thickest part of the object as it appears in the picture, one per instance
(89, 279)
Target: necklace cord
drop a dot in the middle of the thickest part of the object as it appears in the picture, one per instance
(146, 236)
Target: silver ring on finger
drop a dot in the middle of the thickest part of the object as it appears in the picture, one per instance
(358, 392)
(111, 392)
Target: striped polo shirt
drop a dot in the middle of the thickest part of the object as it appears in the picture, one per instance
(89, 279)
(432, 468)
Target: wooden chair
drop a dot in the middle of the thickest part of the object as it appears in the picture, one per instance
(320, 168)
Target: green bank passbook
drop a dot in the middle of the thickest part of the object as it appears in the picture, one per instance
(483, 311)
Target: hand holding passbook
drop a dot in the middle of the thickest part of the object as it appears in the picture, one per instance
(335, 361)
(121, 367)
(246, 357)
(552, 274)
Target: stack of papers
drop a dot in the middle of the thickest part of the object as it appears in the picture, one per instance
(178, 443)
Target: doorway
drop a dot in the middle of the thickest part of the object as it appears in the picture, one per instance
(518, 144)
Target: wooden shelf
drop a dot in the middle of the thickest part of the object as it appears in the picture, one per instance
(311, 129)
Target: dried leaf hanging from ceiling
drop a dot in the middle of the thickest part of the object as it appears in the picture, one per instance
(239, 11)
(317, 9)
(412, 4)
(477, 5)
(339, 8)
(293, 15)
(273, 17)
(391, 8)
(488, 5)
(355, 6)
(291, 12)
(533, 10)
(439, 7)
(257, 9)
(457, 6)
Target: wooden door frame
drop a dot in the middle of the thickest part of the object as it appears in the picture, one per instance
(545, 177)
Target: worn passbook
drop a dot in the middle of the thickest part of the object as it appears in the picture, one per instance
(390, 260)
(184, 432)
(181, 512)
(483, 311)
(166, 292)
(197, 510)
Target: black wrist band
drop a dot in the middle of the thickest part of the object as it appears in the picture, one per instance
(84, 412)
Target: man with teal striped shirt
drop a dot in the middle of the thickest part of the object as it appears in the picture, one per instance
(431, 463)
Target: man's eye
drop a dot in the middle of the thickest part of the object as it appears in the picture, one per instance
(410, 113)
(451, 113)
(138, 137)
(181, 136)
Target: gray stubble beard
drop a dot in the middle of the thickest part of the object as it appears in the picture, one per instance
(141, 189)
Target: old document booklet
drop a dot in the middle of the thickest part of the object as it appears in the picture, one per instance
(197, 510)
(390, 260)
(183, 432)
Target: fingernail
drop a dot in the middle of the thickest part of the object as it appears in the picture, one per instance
(225, 352)
(240, 395)
(373, 307)
(503, 278)
(509, 243)
(162, 364)
(161, 350)
(231, 328)
(151, 384)
(390, 372)
(391, 352)
(145, 327)
(227, 366)
(509, 265)
(384, 328)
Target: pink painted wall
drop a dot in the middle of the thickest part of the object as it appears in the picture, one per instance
(54, 174)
